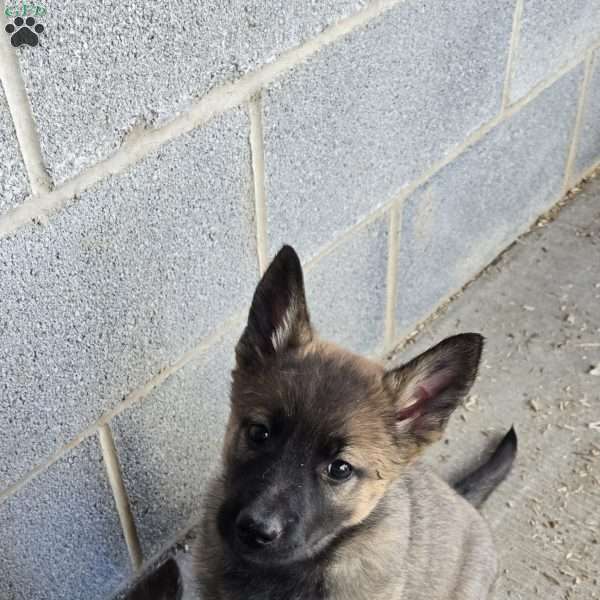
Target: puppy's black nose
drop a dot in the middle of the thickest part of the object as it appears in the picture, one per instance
(258, 530)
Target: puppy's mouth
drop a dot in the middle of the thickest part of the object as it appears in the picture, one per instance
(279, 554)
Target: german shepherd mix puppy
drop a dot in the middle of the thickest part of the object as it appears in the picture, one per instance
(322, 496)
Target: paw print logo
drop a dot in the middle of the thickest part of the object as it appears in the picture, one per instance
(24, 32)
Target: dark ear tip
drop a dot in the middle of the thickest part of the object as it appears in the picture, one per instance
(287, 263)
(468, 341)
(471, 341)
(287, 254)
(471, 337)
(469, 346)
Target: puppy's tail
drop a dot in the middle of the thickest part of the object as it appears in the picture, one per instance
(479, 484)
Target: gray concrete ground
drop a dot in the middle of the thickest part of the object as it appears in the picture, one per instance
(539, 308)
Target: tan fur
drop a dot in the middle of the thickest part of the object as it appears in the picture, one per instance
(434, 546)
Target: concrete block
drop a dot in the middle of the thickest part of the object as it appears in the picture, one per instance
(60, 533)
(551, 34)
(100, 69)
(345, 131)
(119, 284)
(588, 151)
(14, 185)
(346, 289)
(466, 214)
(170, 444)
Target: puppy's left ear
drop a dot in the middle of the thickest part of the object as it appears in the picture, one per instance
(428, 388)
(278, 318)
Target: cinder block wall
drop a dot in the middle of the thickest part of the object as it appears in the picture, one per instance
(153, 157)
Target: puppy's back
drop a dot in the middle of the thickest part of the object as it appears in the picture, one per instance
(451, 545)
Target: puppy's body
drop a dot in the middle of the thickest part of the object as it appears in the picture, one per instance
(423, 542)
(322, 496)
(431, 544)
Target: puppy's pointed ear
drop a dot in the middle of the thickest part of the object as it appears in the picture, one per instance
(428, 389)
(278, 317)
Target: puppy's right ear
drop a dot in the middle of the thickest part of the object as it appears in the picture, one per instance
(428, 389)
(278, 317)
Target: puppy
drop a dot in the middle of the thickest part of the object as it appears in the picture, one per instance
(321, 495)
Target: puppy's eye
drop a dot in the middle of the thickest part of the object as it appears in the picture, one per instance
(339, 470)
(258, 434)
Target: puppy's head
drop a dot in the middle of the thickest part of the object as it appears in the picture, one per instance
(317, 434)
